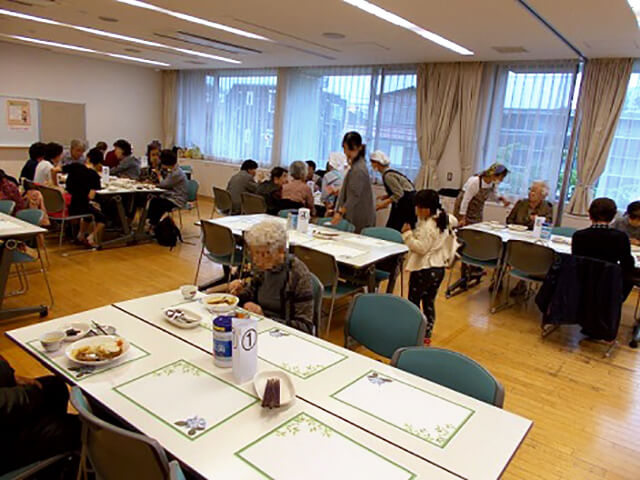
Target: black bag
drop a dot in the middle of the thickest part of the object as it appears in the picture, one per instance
(167, 233)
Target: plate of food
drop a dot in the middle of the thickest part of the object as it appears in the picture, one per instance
(324, 235)
(220, 302)
(181, 317)
(275, 388)
(97, 351)
(517, 228)
(75, 331)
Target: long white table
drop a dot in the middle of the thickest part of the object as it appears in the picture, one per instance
(171, 391)
(460, 434)
(12, 227)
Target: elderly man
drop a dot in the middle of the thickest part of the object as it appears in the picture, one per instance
(536, 205)
(76, 152)
(281, 286)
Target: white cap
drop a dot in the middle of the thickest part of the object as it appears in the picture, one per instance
(337, 160)
(379, 157)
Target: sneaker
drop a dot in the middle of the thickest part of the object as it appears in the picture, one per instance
(427, 342)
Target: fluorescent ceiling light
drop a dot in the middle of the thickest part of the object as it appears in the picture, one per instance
(117, 36)
(635, 7)
(86, 50)
(401, 22)
(191, 18)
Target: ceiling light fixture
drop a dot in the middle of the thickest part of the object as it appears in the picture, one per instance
(85, 50)
(117, 36)
(635, 7)
(401, 22)
(191, 18)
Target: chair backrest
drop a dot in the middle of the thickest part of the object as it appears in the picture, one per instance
(564, 231)
(218, 240)
(452, 370)
(7, 206)
(321, 264)
(222, 199)
(116, 453)
(52, 198)
(192, 190)
(383, 233)
(343, 225)
(253, 204)
(531, 258)
(186, 168)
(480, 245)
(318, 291)
(175, 472)
(31, 215)
(28, 184)
(285, 213)
(384, 323)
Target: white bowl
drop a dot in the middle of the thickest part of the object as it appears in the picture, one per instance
(220, 307)
(287, 390)
(188, 291)
(96, 341)
(517, 228)
(190, 319)
(81, 327)
(51, 341)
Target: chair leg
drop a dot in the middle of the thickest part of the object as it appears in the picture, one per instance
(180, 216)
(333, 301)
(41, 241)
(401, 281)
(197, 208)
(61, 234)
(195, 280)
(46, 279)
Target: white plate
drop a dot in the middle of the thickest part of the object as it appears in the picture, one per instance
(517, 228)
(219, 308)
(82, 327)
(96, 341)
(190, 320)
(287, 390)
(560, 239)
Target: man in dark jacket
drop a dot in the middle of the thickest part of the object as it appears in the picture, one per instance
(36, 154)
(34, 423)
(271, 190)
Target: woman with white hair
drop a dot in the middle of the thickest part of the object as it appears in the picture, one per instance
(535, 205)
(401, 193)
(332, 180)
(297, 190)
(280, 287)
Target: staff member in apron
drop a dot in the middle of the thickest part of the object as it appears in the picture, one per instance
(469, 206)
(400, 193)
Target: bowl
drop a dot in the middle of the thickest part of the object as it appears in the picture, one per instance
(75, 331)
(188, 291)
(51, 341)
(287, 389)
(182, 317)
(95, 341)
(220, 302)
(517, 228)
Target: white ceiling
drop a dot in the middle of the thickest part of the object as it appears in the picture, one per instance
(598, 27)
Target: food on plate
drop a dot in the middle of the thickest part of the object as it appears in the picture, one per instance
(271, 396)
(221, 301)
(99, 352)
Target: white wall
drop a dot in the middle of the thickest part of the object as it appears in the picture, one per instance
(122, 100)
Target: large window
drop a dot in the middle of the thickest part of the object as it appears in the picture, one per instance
(528, 122)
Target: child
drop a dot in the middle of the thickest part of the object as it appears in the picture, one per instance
(431, 248)
(630, 223)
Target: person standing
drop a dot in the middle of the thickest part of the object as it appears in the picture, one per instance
(469, 206)
(400, 193)
(356, 202)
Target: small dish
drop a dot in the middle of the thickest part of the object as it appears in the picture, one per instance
(181, 317)
(51, 341)
(188, 291)
(517, 228)
(75, 331)
(220, 302)
(287, 390)
(108, 342)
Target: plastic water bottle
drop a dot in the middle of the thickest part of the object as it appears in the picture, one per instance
(292, 221)
(538, 222)
(304, 215)
(545, 231)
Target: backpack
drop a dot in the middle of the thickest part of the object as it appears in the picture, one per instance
(167, 233)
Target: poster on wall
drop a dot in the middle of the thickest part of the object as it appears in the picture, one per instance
(19, 114)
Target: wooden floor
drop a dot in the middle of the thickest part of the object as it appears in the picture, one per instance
(585, 409)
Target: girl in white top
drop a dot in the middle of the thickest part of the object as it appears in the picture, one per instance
(430, 250)
(46, 172)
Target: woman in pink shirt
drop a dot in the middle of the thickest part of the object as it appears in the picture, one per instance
(297, 189)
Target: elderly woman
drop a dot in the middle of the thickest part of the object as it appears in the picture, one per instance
(281, 286)
(297, 190)
(536, 205)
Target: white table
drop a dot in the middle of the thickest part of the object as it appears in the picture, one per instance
(479, 443)
(163, 383)
(12, 227)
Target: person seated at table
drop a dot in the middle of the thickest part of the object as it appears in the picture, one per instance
(469, 206)
(629, 223)
(297, 190)
(128, 165)
(103, 147)
(332, 181)
(242, 182)
(280, 287)
(271, 190)
(604, 243)
(9, 190)
(46, 173)
(34, 421)
(311, 172)
(36, 154)
(174, 181)
(535, 205)
(76, 151)
(151, 173)
(83, 181)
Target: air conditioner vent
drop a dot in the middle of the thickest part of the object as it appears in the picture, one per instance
(510, 49)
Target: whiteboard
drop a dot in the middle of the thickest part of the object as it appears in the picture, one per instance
(16, 132)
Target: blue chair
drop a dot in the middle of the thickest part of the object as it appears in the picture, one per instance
(285, 213)
(343, 225)
(383, 323)
(192, 198)
(390, 235)
(219, 246)
(7, 206)
(114, 452)
(564, 231)
(452, 370)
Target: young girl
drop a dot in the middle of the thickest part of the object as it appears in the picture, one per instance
(429, 252)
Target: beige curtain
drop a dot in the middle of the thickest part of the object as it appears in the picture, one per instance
(470, 102)
(436, 109)
(169, 107)
(602, 93)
